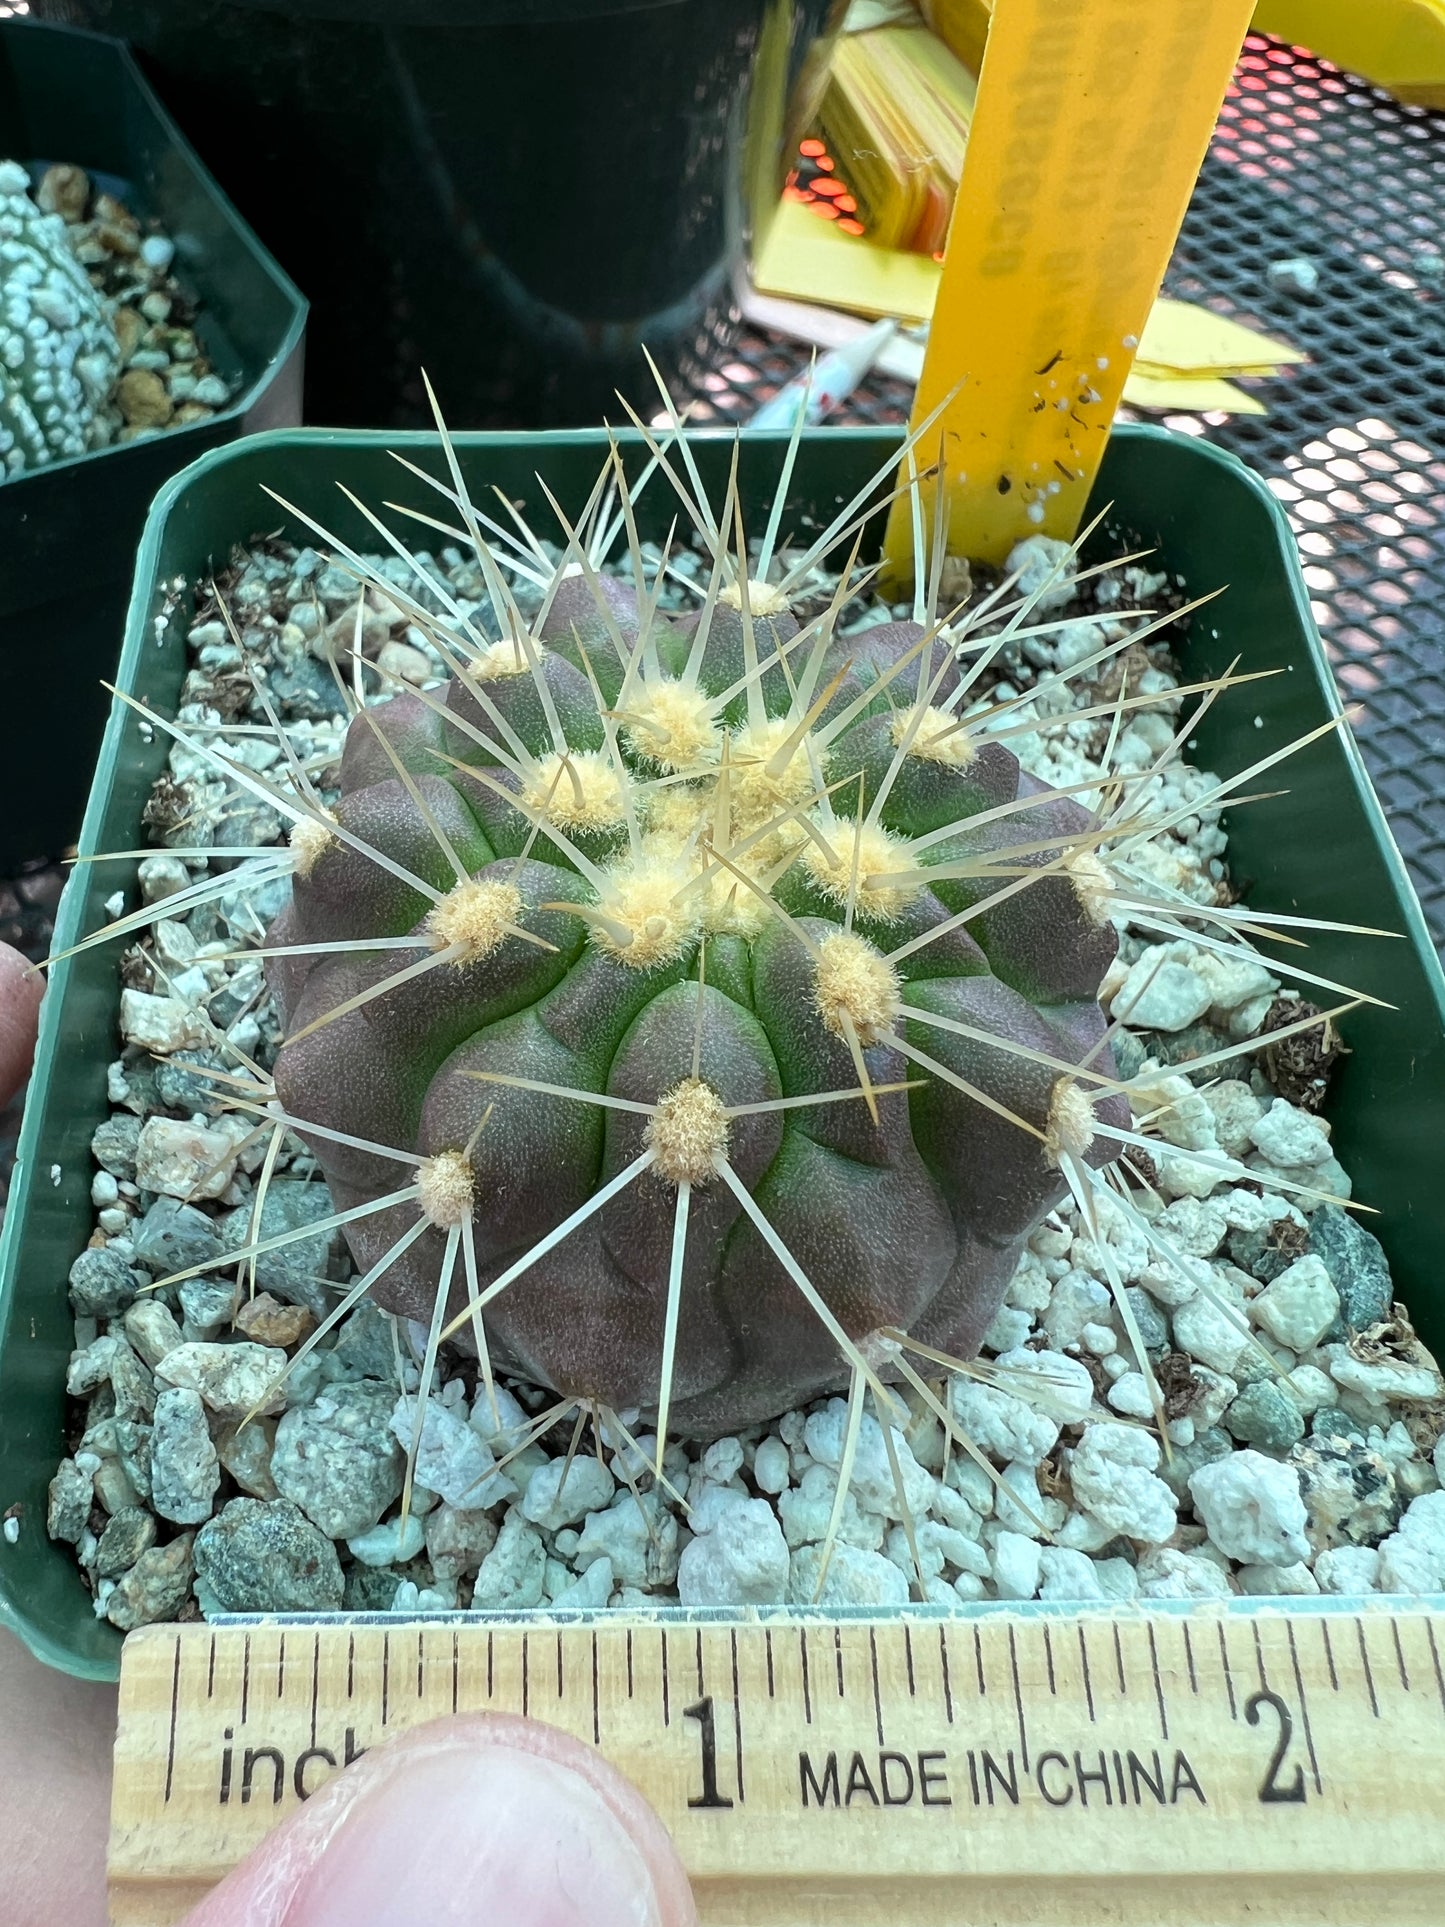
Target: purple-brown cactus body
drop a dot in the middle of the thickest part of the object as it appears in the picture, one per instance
(911, 1218)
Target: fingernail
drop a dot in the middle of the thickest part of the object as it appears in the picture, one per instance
(487, 1833)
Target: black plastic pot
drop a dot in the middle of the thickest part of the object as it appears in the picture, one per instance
(68, 533)
(516, 197)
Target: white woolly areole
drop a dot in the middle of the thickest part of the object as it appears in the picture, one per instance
(688, 1132)
(856, 982)
(309, 841)
(476, 915)
(648, 914)
(766, 776)
(880, 854)
(763, 599)
(939, 738)
(446, 1190)
(1093, 885)
(1070, 1129)
(580, 791)
(504, 658)
(671, 723)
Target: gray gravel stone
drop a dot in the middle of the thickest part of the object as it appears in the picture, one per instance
(102, 1284)
(155, 1588)
(1263, 1415)
(290, 1271)
(185, 1470)
(260, 1558)
(1355, 1260)
(178, 1086)
(113, 1145)
(173, 1236)
(69, 1501)
(365, 1346)
(128, 1534)
(207, 1304)
(233, 1380)
(337, 1459)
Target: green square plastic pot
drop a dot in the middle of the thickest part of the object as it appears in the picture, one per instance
(68, 533)
(1321, 849)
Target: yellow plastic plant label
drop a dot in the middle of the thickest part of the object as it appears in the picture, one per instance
(1092, 121)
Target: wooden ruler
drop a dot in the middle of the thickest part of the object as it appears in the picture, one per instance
(1093, 118)
(1010, 1770)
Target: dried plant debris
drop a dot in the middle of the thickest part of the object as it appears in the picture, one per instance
(1193, 1381)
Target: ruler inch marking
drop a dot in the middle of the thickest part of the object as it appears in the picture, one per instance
(877, 1695)
(281, 1666)
(559, 1662)
(596, 1703)
(666, 1684)
(175, 1714)
(491, 1661)
(1228, 1674)
(908, 1659)
(1119, 1662)
(245, 1676)
(1400, 1652)
(1365, 1664)
(978, 1662)
(1049, 1661)
(737, 1712)
(1189, 1658)
(1013, 1658)
(211, 1671)
(1304, 1707)
(1330, 1658)
(1435, 1661)
(350, 1665)
(772, 1689)
(807, 1683)
(1158, 1682)
(1259, 1657)
(526, 1677)
(629, 1662)
(420, 1662)
(315, 1680)
(701, 1688)
(385, 1677)
(1088, 1677)
(948, 1682)
(838, 1659)
(456, 1669)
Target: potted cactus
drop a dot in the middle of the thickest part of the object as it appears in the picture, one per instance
(90, 157)
(686, 1016)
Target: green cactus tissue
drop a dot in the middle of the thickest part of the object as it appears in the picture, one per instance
(680, 1006)
(59, 357)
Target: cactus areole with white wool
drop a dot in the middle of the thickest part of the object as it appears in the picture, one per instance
(719, 946)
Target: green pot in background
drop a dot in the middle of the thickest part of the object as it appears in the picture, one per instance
(68, 533)
(1321, 848)
(515, 195)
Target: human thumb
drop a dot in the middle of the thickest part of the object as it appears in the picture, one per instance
(21, 988)
(481, 1820)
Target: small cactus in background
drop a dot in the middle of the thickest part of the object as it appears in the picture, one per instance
(59, 357)
(688, 1006)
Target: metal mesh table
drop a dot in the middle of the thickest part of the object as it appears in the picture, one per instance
(1310, 162)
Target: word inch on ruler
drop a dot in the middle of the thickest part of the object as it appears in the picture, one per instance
(1162, 1769)
(1092, 122)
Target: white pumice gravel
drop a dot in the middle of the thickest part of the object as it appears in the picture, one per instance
(1301, 1450)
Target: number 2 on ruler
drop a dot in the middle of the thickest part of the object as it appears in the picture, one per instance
(1271, 1792)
